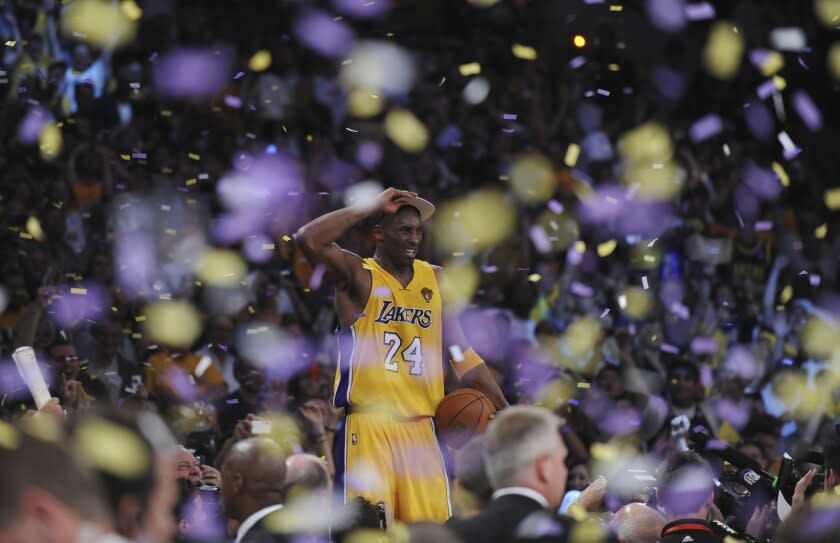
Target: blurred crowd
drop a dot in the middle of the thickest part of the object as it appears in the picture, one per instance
(645, 241)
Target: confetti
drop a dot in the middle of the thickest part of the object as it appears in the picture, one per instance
(475, 221)
(50, 141)
(406, 130)
(471, 68)
(821, 231)
(380, 66)
(131, 10)
(606, 249)
(476, 90)
(99, 22)
(532, 178)
(362, 8)
(459, 282)
(524, 52)
(260, 61)
(173, 323)
(832, 199)
(705, 128)
(788, 39)
(33, 226)
(572, 154)
(33, 123)
(220, 267)
(701, 11)
(364, 103)
(190, 72)
(724, 48)
(667, 15)
(320, 32)
(828, 12)
(807, 110)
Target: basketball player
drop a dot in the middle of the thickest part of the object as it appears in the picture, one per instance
(392, 336)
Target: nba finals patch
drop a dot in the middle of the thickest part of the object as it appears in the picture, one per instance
(427, 294)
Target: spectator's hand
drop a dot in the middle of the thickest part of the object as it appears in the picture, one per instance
(141, 392)
(69, 390)
(211, 476)
(52, 408)
(761, 520)
(801, 486)
(313, 416)
(592, 496)
(243, 428)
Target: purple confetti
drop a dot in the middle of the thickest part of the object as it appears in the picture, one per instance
(191, 72)
(814, 279)
(680, 310)
(807, 109)
(706, 127)
(322, 33)
(382, 292)
(540, 239)
(79, 302)
(30, 127)
(509, 116)
(317, 277)
(135, 262)
(704, 345)
(257, 248)
(667, 15)
(758, 56)
(763, 226)
(759, 121)
(361, 8)
(490, 269)
(667, 348)
(233, 101)
(239, 75)
(584, 291)
(555, 207)
(763, 182)
(577, 62)
(368, 154)
(138, 155)
(746, 203)
(701, 11)
(603, 92)
(766, 89)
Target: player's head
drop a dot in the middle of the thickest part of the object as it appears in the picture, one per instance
(523, 447)
(399, 235)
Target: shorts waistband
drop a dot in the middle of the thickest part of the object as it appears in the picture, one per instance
(384, 415)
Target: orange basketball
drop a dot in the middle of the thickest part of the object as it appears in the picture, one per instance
(462, 414)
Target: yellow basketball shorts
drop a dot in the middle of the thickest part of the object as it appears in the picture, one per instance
(399, 462)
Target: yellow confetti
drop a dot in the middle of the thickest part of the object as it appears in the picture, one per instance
(613, 67)
(220, 267)
(832, 198)
(637, 302)
(724, 49)
(480, 219)
(191, 181)
(43, 428)
(525, 52)
(616, 7)
(821, 231)
(50, 141)
(532, 178)
(783, 176)
(131, 10)
(98, 22)
(9, 437)
(364, 103)
(786, 295)
(483, 3)
(572, 155)
(458, 282)
(833, 60)
(112, 448)
(268, 246)
(470, 68)
(33, 226)
(820, 337)
(772, 63)
(166, 113)
(780, 82)
(534, 277)
(580, 246)
(194, 156)
(604, 452)
(173, 323)
(10, 43)
(583, 385)
(581, 336)
(260, 61)
(406, 130)
(605, 249)
(76, 290)
(828, 12)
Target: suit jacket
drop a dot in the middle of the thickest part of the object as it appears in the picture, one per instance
(513, 518)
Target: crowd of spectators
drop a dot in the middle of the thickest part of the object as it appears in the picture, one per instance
(639, 306)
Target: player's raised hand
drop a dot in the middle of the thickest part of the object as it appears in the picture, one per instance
(391, 199)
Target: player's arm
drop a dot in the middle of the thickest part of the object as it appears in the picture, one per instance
(471, 369)
(317, 239)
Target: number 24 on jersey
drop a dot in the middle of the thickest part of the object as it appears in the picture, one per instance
(413, 354)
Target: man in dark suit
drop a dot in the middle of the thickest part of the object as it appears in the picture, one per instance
(525, 462)
(253, 482)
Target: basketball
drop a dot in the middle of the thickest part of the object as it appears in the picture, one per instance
(462, 414)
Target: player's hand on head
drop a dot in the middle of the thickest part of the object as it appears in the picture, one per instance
(391, 199)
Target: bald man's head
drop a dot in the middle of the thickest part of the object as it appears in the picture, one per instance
(253, 477)
(307, 472)
(637, 523)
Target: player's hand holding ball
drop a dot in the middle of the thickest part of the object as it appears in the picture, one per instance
(462, 414)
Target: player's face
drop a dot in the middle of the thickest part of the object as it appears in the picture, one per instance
(401, 236)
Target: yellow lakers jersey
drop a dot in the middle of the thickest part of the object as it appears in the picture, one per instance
(390, 360)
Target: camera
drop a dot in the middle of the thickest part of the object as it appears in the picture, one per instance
(745, 486)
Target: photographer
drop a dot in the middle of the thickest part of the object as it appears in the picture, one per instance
(686, 495)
